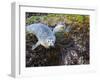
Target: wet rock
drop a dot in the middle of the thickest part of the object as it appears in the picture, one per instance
(72, 49)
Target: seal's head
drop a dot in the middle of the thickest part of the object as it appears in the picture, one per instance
(50, 42)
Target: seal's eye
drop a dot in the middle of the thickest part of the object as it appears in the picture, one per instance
(48, 41)
(53, 41)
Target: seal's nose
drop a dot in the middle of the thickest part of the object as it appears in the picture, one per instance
(52, 45)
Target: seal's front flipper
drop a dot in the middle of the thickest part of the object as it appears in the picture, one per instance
(36, 45)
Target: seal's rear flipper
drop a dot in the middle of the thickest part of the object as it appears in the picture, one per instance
(36, 45)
